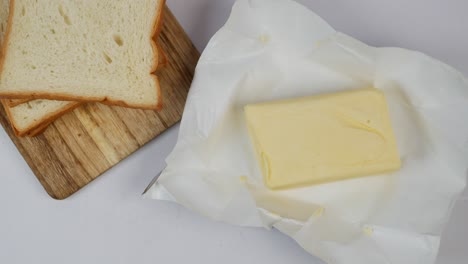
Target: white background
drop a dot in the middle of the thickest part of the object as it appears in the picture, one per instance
(109, 222)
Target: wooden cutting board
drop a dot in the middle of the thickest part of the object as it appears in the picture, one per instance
(85, 143)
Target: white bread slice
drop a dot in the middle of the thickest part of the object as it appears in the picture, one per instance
(84, 51)
(162, 62)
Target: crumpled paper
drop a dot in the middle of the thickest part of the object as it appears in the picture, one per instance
(276, 49)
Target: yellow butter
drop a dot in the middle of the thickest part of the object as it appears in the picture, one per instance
(323, 138)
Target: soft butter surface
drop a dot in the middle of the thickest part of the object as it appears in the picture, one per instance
(323, 138)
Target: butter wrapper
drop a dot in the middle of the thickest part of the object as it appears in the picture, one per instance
(278, 49)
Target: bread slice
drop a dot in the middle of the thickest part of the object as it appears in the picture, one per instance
(161, 64)
(83, 50)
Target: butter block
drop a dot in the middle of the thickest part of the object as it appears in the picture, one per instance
(323, 138)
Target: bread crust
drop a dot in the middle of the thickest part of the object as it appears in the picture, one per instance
(157, 26)
(39, 130)
(16, 102)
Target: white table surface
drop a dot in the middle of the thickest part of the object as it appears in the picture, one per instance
(109, 222)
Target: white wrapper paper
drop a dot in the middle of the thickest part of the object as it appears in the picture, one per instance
(277, 49)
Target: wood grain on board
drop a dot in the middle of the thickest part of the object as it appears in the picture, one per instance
(83, 144)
